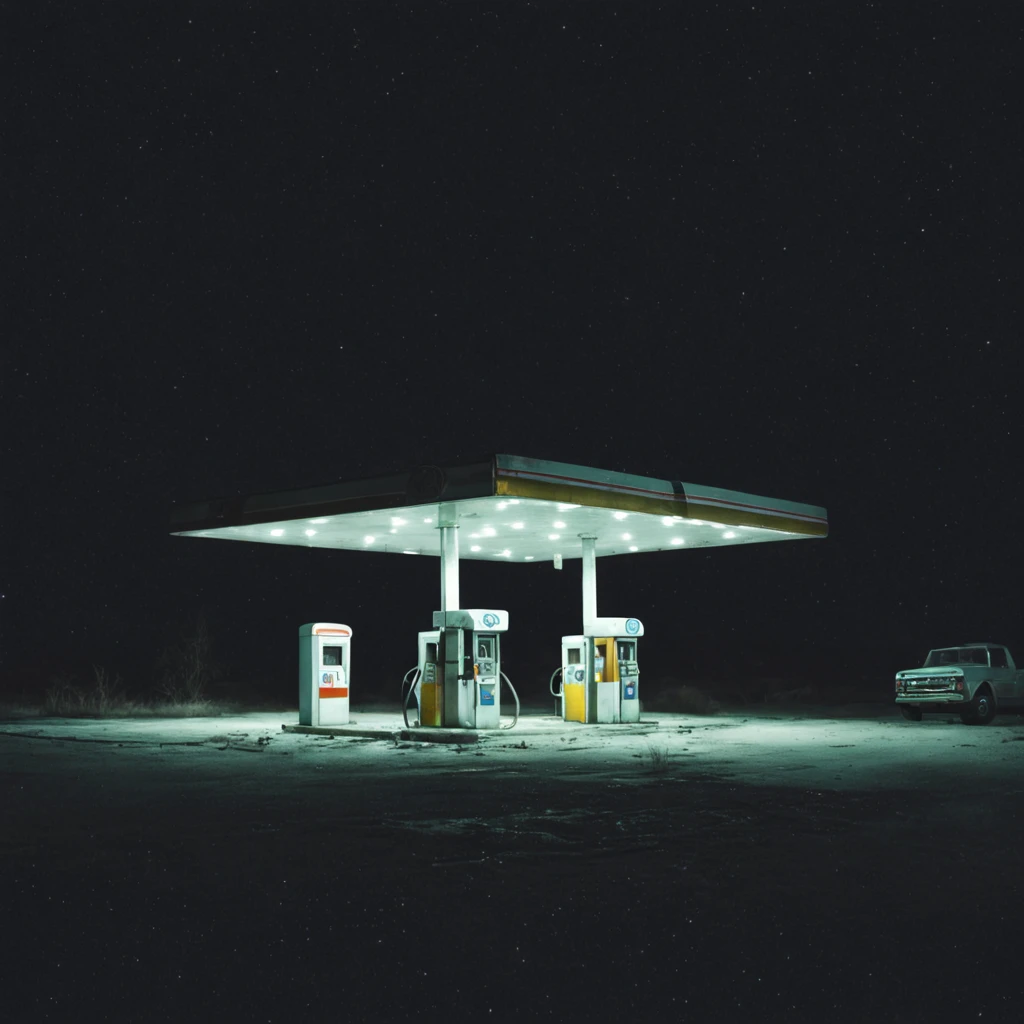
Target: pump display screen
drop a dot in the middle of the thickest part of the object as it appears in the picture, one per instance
(485, 648)
(332, 655)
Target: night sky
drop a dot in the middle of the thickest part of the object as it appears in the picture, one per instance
(757, 249)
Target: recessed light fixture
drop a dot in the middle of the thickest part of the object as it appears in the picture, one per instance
(564, 507)
(311, 533)
(277, 533)
(488, 531)
(368, 539)
(518, 526)
(505, 554)
(410, 552)
(554, 536)
(728, 535)
(475, 547)
(392, 530)
(398, 521)
(677, 541)
(627, 536)
(318, 522)
(668, 520)
(559, 525)
(528, 558)
(428, 520)
(633, 547)
(621, 515)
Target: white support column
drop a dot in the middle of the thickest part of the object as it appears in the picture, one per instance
(449, 568)
(589, 581)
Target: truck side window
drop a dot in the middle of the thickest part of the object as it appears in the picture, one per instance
(997, 656)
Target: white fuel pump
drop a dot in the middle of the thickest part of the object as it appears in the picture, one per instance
(459, 679)
(325, 668)
(600, 672)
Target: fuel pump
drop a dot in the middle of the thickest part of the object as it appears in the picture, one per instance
(600, 673)
(459, 679)
(325, 667)
(429, 680)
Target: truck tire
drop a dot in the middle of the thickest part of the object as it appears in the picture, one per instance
(981, 710)
(910, 714)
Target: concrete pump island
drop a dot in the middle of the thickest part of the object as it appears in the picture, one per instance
(502, 508)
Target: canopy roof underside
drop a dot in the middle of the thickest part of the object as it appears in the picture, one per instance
(507, 508)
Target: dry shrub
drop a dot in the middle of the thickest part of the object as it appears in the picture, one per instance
(106, 696)
(106, 699)
(186, 668)
(657, 758)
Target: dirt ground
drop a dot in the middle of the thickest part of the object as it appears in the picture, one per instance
(756, 866)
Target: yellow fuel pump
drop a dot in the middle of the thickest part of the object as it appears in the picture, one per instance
(431, 683)
(600, 673)
(457, 682)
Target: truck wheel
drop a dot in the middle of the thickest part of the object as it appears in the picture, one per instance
(910, 714)
(981, 711)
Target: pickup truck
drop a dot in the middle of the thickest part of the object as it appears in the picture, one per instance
(975, 680)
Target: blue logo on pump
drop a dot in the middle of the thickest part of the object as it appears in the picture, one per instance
(490, 620)
(632, 626)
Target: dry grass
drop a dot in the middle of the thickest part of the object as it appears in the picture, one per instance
(66, 699)
(106, 698)
(657, 758)
(125, 709)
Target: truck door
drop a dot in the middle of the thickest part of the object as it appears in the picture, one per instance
(1004, 678)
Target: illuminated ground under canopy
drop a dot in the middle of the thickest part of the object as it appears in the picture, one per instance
(507, 507)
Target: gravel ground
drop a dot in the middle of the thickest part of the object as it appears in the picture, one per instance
(833, 864)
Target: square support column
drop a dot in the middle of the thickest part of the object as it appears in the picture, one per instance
(449, 568)
(589, 581)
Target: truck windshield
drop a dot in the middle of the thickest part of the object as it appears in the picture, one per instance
(957, 656)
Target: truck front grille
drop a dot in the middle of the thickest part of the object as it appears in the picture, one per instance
(931, 684)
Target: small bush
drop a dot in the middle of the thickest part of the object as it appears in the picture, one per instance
(66, 699)
(657, 758)
(63, 699)
(187, 668)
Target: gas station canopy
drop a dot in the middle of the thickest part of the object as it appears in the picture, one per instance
(508, 508)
